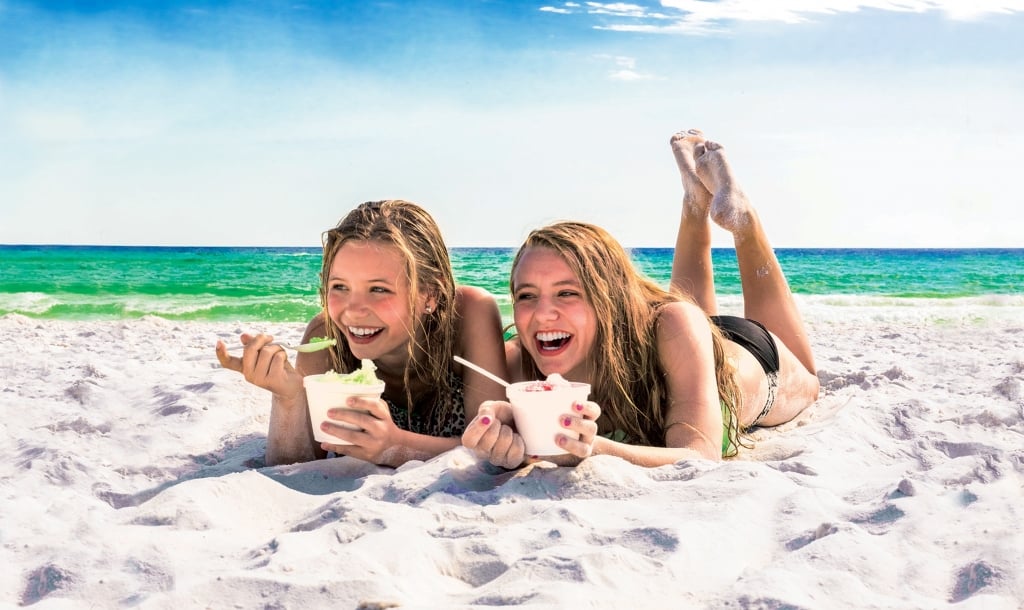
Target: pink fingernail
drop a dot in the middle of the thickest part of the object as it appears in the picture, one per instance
(561, 441)
(485, 420)
(578, 406)
(567, 422)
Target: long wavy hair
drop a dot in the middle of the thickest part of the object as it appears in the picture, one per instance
(412, 231)
(627, 378)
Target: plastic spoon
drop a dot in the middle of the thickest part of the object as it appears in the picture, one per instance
(482, 371)
(314, 346)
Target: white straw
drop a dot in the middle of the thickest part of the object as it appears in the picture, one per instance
(483, 372)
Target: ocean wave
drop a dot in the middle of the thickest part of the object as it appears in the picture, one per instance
(168, 306)
(26, 303)
(852, 300)
(277, 308)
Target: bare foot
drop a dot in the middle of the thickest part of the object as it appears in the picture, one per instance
(730, 208)
(687, 146)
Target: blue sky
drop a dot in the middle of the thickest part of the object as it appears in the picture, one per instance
(851, 124)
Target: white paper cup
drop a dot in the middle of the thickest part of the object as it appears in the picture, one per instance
(324, 392)
(538, 413)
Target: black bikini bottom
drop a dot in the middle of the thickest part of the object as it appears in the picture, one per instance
(753, 337)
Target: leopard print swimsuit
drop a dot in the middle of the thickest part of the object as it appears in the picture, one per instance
(422, 419)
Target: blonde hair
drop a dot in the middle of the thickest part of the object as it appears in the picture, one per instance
(627, 379)
(413, 233)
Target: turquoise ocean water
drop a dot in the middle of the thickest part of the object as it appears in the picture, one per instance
(280, 284)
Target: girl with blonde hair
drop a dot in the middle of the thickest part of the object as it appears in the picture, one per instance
(669, 378)
(388, 295)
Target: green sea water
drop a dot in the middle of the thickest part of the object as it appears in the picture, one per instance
(280, 284)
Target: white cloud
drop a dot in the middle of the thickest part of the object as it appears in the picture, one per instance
(629, 75)
(626, 68)
(616, 8)
(703, 17)
(967, 11)
(570, 8)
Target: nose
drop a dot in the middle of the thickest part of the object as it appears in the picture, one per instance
(356, 305)
(547, 309)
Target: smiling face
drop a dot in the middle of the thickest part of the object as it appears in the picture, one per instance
(556, 324)
(368, 300)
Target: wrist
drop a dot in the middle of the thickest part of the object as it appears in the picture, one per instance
(295, 397)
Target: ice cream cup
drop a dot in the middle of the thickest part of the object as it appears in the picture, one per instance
(538, 412)
(325, 392)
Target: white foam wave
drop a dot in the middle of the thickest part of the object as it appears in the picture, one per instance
(27, 302)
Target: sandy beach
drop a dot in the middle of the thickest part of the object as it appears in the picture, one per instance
(132, 476)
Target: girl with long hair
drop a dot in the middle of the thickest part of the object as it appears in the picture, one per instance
(670, 379)
(388, 295)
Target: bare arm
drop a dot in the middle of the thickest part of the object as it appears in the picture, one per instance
(290, 433)
(377, 439)
(694, 417)
(289, 437)
(491, 434)
(480, 342)
(645, 456)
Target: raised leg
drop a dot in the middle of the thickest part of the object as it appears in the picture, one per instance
(692, 272)
(766, 294)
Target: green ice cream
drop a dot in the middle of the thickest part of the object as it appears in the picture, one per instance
(363, 376)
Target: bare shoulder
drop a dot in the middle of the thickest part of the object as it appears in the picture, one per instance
(479, 323)
(480, 342)
(315, 328)
(312, 363)
(470, 299)
(681, 318)
(476, 309)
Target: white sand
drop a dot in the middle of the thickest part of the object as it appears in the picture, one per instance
(131, 477)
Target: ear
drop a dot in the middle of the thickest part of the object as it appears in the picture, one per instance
(431, 304)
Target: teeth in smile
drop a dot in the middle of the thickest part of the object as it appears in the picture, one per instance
(552, 336)
(360, 331)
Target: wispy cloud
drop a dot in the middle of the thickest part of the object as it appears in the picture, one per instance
(703, 17)
(625, 68)
(567, 8)
(629, 75)
(552, 9)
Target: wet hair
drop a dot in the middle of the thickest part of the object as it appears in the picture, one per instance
(411, 231)
(627, 378)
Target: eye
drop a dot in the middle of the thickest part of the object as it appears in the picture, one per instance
(379, 289)
(337, 287)
(525, 296)
(568, 293)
